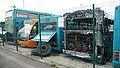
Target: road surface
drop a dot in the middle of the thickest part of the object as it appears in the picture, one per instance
(10, 59)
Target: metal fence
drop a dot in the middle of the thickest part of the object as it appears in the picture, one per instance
(88, 37)
(79, 26)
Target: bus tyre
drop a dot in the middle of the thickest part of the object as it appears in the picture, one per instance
(46, 49)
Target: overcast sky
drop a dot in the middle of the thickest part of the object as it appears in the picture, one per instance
(52, 6)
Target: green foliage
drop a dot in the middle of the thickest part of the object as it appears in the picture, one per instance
(13, 6)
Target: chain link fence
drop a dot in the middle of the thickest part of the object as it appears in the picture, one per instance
(88, 37)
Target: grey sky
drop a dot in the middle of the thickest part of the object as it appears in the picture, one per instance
(55, 6)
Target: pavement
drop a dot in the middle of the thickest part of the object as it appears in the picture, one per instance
(10, 59)
(56, 60)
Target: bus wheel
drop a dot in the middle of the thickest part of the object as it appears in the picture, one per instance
(46, 49)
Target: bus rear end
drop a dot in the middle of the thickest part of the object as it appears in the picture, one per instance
(9, 27)
(116, 40)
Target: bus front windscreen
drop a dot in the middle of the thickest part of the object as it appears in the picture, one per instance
(25, 31)
(9, 21)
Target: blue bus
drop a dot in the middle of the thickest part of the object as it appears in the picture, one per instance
(14, 19)
(116, 39)
(23, 24)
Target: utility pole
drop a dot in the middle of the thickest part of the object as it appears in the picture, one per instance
(81, 5)
(23, 4)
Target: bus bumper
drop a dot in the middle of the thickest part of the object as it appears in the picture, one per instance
(116, 64)
(28, 43)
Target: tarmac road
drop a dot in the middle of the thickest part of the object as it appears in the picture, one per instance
(10, 59)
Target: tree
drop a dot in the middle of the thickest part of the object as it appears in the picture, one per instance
(13, 6)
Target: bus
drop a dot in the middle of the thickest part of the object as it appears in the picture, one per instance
(51, 34)
(14, 21)
(116, 39)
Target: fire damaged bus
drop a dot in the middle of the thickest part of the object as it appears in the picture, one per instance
(78, 34)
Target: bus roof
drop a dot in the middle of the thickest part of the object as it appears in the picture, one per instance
(117, 8)
(35, 12)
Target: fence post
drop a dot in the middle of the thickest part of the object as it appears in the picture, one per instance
(39, 31)
(94, 43)
(15, 30)
(2, 33)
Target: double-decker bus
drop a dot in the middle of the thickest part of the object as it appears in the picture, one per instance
(14, 21)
